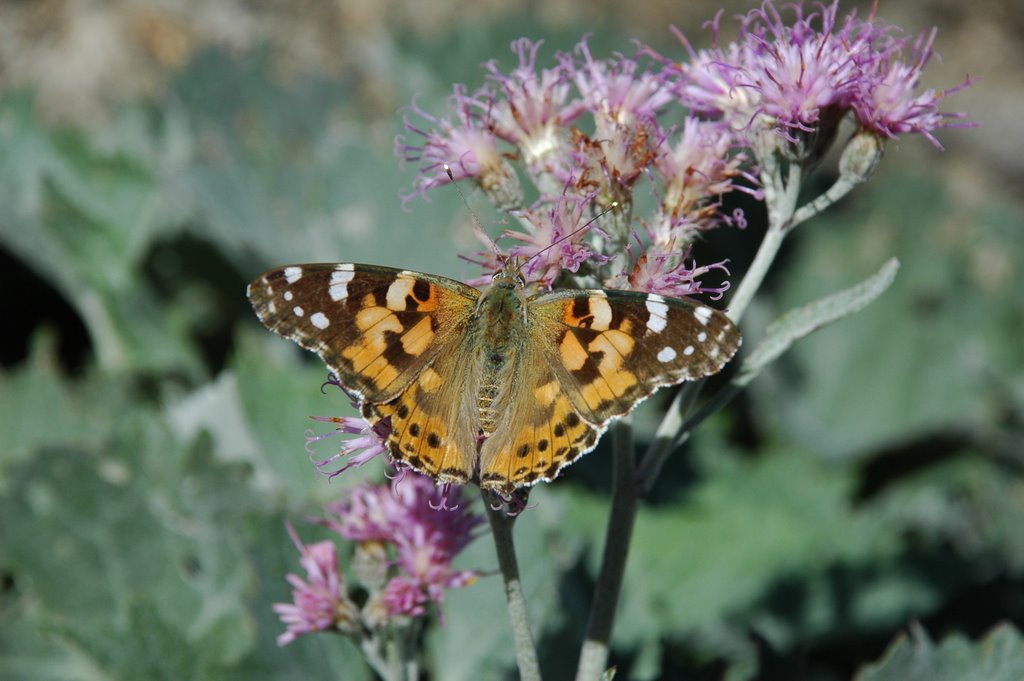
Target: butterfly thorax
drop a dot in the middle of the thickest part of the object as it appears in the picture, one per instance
(500, 325)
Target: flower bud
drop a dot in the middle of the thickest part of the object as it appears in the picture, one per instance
(861, 156)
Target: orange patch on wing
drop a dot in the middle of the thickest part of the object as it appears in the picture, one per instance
(573, 354)
(374, 322)
(368, 317)
(597, 393)
(403, 288)
(382, 371)
(422, 440)
(601, 311)
(416, 339)
(430, 380)
(547, 393)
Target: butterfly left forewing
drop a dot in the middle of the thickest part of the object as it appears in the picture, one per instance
(611, 349)
(375, 327)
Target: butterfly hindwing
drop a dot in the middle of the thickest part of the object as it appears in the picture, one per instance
(611, 349)
(541, 432)
(376, 328)
(434, 421)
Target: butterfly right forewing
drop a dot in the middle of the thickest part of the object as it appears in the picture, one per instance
(611, 349)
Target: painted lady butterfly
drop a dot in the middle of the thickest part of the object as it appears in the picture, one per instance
(499, 386)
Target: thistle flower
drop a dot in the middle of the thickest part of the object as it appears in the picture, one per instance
(617, 91)
(798, 78)
(418, 520)
(403, 597)
(889, 106)
(320, 602)
(371, 443)
(624, 99)
(534, 114)
(801, 70)
(550, 227)
(695, 172)
(665, 272)
(469, 148)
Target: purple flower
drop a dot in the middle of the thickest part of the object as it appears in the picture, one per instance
(799, 77)
(320, 602)
(624, 100)
(666, 273)
(616, 91)
(419, 520)
(798, 71)
(695, 171)
(606, 168)
(371, 443)
(547, 249)
(403, 596)
(469, 148)
(711, 83)
(888, 105)
(533, 115)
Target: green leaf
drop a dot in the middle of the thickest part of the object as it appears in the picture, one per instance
(999, 656)
(82, 215)
(310, 181)
(123, 544)
(802, 321)
(769, 544)
(923, 358)
(270, 395)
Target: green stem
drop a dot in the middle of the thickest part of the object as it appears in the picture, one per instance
(843, 186)
(622, 516)
(370, 646)
(501, 530)
(669, 429)
(780, 197)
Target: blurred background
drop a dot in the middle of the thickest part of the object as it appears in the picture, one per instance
(156, 156)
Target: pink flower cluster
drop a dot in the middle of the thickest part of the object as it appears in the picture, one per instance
(804, 75)
(589, 131)
(407, 535)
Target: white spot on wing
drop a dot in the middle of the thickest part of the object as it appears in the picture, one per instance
(602, 312)
(667, 354)
(319, 320)
(703, 315)
(688, 350)
(288, 295)
(298, 311)
(701, 337)
(340, 277)
(658, 318)
(292, 274)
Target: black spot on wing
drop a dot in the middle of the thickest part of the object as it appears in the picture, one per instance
(421, 290)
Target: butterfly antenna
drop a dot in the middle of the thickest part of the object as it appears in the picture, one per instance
(478, 228)
(611, 206)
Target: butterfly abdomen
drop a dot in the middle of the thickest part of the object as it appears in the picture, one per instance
(500, 325)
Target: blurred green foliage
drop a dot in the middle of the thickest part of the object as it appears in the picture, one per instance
(869, 480)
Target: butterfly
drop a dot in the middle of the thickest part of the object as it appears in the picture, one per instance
(501, 386)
